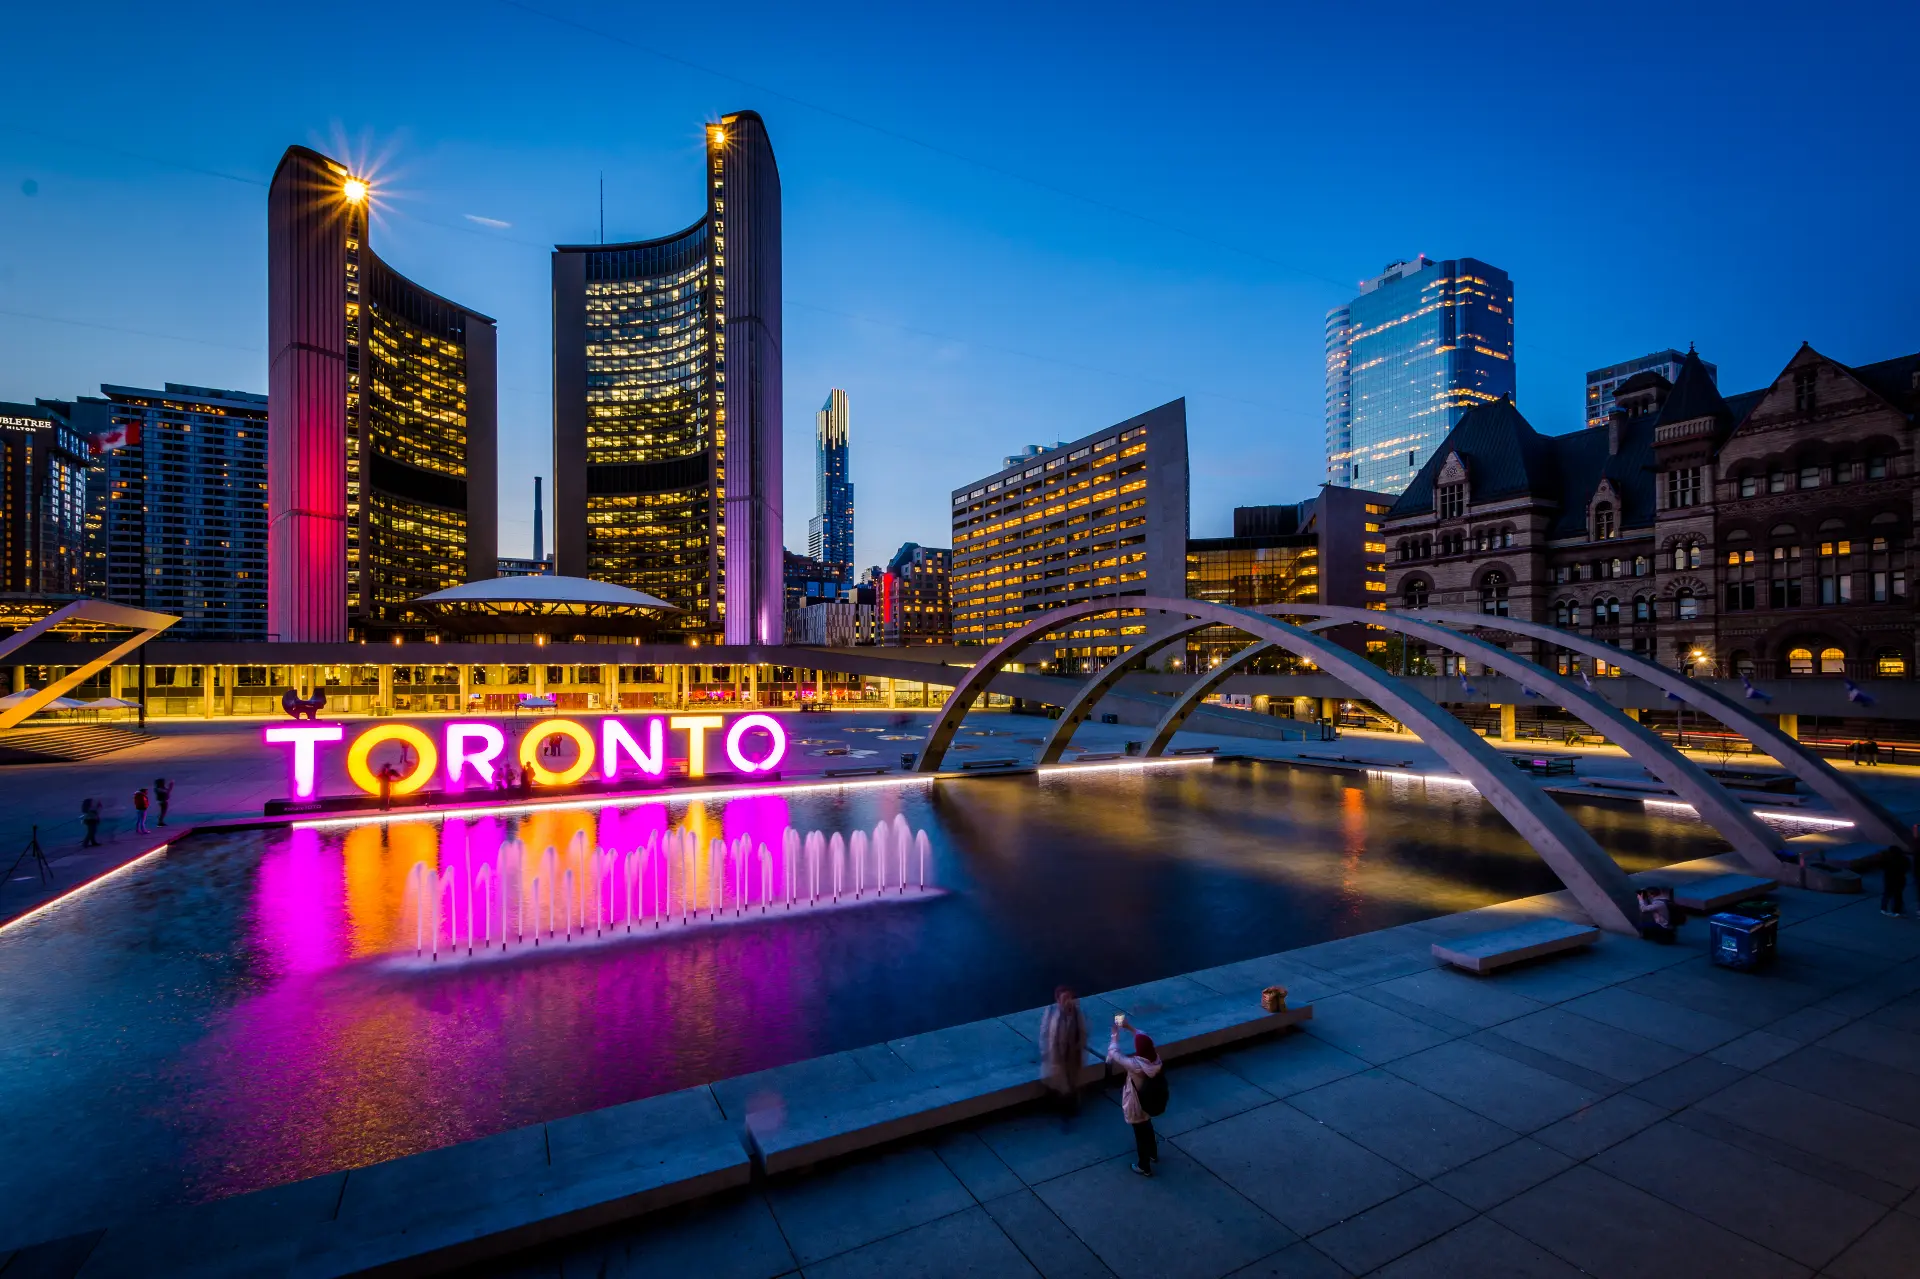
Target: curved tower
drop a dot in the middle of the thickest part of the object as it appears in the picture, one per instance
(381, 402)
(666, 404)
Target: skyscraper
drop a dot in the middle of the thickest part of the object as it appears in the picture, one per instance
(43, 501)
(1601, 383)
(177, 508)
(666, 403)
(1424, 342)
(830, 531)
(381, 475)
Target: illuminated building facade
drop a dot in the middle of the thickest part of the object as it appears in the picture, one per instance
(1326, 550)
(43, 503)
(1603, 383)
(830, 531)
(1105, 514)
(916, 596)
(666, 404)
(383, 398)
(1424, 342)
(177, 508)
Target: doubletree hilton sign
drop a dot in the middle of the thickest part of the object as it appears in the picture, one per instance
(472, 749)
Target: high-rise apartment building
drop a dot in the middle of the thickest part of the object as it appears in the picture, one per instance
(830, 531)
(1424, 342)
(1602, 383)
(1103, 515)
(43, 501)
(177, 508)
(916, 596)
(666, 404)
(383, 399)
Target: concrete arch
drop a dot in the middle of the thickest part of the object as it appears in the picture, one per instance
(1189, 701)
(1081, 705)
(1758, 844)
(1872, 821)
(1595, 880)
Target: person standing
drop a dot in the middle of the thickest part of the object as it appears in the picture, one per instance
(1893, 882)
(1145, 1094)
(387, 775)
(163, 792)
(90, 817)
(140, 811)
(1063, 1049)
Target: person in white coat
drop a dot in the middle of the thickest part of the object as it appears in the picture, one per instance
(1142, 1064)
(1063, 1049)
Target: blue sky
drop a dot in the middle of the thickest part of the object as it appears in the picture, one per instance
(1004, 224)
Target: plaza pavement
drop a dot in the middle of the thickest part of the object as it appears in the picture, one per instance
(1630, 1111)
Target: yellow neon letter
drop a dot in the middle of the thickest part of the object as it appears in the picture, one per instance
(697, 727)
(530, 751)
(363, 746)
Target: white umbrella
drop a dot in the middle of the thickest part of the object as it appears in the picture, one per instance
(113, 704)
(63, 704)
(14, 699)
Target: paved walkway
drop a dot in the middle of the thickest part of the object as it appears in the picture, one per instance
(1628, 1111)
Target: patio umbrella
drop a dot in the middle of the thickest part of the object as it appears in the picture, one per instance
(14, 699)
(63, 704)
(113, 704)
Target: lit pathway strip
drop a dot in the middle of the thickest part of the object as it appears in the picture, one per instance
(1768, 814)
(82, 887)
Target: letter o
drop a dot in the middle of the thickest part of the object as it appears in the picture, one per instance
(530, 755)
(406, 733)
(737, 732)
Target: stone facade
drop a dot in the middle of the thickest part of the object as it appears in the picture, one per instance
(1767, 533)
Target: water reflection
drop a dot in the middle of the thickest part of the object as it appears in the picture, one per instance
(226, 1017)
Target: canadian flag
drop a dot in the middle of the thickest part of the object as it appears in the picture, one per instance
(118, 437)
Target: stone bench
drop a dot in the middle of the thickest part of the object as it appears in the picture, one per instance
(1704, 896)
(1837, 849)
(887, 1110)
(973, 764)
(1485, 952)
(1190, 1029)
(868, 770)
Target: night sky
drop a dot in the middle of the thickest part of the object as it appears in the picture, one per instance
(1003, 225)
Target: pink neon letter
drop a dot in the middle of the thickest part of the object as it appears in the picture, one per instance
(304, 739)
(459, 754)
(738, 732)
(614, 738)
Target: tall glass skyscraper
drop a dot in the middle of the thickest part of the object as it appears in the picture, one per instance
(381, 466)
(1424, 342)
(666, 404)
(830, 531)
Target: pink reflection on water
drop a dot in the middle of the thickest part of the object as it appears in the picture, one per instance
(300, 899)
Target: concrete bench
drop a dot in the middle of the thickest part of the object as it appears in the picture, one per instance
(1196, 750)
(973, 764)
(1838, 849)
(1704, 896)
(870, 770)
(1190, 1029)
(1485, 952)
(1546, 765)
(871, 1115)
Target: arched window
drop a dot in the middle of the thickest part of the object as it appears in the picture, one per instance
(1603, 522)
(1416, 593)
(1685, 606)
(1800, 661)
(1613, 610)
(1642, 609)
(1493, 594)
(1679, 557)
(1506, 537)
(1742, 662)
(1426, 548)
(1890, 664)
(1639, 566)
(1833, 662)
(1693, 555)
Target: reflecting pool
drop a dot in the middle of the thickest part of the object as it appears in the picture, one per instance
(258, 1007)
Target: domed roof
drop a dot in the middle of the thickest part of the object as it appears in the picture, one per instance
(545, 589)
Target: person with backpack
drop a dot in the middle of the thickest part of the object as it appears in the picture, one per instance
(1145, 1094)
(90, 817)
(140, 811)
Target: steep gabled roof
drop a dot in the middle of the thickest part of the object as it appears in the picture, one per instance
(1694, 396)
(1505, 457)
(1582, 461)
(1892, 380)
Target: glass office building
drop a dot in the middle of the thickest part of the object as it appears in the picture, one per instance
(177, 499)
(830, 531)
(382, 467)
(1602, 383)
(666, 404)
(1424, 342)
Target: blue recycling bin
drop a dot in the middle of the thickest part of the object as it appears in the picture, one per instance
(1743, 942)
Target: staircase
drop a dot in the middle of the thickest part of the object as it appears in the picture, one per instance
(66, 743)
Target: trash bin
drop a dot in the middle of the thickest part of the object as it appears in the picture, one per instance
(907, 760)
(1743, 942)
(1133, 748)
(1109, 718)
